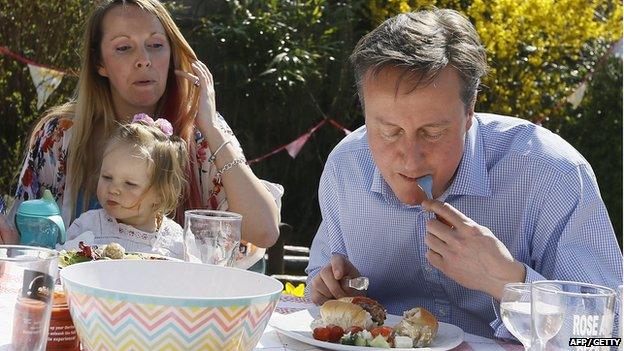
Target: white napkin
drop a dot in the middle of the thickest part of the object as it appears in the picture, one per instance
(87, 237)
(297, 321)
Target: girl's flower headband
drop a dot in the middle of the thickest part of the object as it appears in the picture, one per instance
(161, 123)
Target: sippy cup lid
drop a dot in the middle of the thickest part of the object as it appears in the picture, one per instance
(46, 206)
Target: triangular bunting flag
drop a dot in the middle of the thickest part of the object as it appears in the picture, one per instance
(46, 81)
(576, 97)
(294, 147)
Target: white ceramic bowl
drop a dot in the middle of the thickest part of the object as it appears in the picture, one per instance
(154, 305)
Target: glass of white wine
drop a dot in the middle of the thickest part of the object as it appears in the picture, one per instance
(515, 309)
(563, 311)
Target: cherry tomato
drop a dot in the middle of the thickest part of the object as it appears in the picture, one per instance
(335, 333)
(321, 333)
(354, 330)
(384, 331)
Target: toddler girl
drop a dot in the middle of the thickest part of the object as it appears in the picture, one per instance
(141, 181)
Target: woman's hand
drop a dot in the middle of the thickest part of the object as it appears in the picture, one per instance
(207, 112)
(245, 193)
(8, 234)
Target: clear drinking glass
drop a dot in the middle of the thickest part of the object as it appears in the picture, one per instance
(27, 276)
(211, 237)
(563, 310)
(515, 309)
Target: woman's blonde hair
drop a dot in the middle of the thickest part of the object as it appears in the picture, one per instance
(92, 104)
(166, 155)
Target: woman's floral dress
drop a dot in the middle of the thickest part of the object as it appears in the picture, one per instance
(46, 164)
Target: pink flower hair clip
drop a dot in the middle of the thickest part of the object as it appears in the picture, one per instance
(161, 123)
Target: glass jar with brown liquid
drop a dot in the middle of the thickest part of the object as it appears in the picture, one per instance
(62, 333)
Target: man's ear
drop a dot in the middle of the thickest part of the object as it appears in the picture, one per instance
(470, 112)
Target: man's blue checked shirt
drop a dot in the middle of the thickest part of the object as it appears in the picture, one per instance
(534, 191)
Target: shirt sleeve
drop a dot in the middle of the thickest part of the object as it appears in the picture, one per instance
(170, 241)
(44, 166)
(78, 226)
(573, 238)
(84, 228)
(328, 239)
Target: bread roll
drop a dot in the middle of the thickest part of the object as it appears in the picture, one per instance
(420, 325)
(345, 315)
(376, 310)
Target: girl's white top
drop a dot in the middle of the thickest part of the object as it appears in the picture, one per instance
(166, 241)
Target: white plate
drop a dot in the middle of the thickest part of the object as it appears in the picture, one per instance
(297, 326)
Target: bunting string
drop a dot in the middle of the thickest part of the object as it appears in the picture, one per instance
(6, 52)
(577, 95)
(47, 78)
(295, 146)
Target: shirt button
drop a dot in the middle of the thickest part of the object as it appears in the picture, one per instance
(442, 312)
(428, 269)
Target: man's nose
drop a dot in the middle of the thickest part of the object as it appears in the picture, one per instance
(414, 154)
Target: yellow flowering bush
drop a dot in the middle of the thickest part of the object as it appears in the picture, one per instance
(538, 50)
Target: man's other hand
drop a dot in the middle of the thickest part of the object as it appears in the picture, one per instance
(327, 284)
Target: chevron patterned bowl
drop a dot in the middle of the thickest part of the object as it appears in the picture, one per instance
(167, 305)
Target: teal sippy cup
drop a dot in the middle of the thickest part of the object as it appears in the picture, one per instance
(39, 222)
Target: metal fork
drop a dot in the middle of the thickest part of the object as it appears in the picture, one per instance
(359, 283)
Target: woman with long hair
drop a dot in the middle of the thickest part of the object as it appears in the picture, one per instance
(135, 60)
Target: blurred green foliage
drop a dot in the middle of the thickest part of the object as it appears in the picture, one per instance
(595, 129)
(279, 69)
(281, 66)
(46, 32)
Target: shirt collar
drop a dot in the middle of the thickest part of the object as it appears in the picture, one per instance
(378, 182)
(471, 177)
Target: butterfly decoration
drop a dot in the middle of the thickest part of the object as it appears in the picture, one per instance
(290, 289)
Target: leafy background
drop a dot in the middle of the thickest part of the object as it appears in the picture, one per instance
(281, 66)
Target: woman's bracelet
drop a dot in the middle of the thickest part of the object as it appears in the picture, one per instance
(227, 166)
(213, 157)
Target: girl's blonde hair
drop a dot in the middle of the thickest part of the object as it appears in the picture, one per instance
(166, 155)
(92, 104)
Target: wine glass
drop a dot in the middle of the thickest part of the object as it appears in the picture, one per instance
(515, 309)
(564, 310)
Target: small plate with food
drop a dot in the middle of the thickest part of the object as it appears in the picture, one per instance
(361, 324)
(112, 251)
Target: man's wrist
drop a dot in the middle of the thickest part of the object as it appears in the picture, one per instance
(517, 275)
